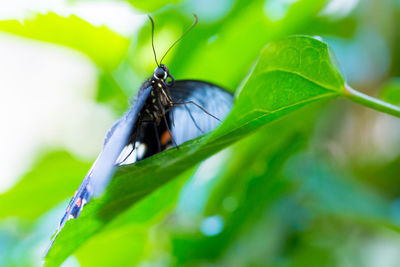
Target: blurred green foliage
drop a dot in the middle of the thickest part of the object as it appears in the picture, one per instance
(40, 182)
(391, 91)
(75, 33)
(296, 189)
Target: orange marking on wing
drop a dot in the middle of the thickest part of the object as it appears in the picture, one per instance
(79, 202)
(165, 138)
(75, 193)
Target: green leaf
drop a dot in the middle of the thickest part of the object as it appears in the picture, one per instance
(105, 47)
(143, 216)
(126, 254)
(43, 187)
(289, 74)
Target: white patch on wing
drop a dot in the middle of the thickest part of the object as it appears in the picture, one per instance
(127, 156)
(131, 154)
(140, 150)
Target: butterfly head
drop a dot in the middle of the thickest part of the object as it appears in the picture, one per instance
(161, 72)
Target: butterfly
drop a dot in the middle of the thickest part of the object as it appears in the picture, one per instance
(166, 113)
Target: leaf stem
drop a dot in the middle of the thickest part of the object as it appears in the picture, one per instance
(370, 102)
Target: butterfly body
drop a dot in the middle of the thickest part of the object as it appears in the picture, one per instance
(159, 100)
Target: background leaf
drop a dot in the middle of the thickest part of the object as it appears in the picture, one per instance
(391, 91)
(45, 179)
(75, 33)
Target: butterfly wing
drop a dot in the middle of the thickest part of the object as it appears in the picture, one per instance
(116, 140)
(102, 170)
(189, 120)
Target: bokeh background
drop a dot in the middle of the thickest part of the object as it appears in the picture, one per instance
(320, 187)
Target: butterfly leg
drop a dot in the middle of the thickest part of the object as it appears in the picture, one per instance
(194, 121)
(172, 117)
(170, 133)
(157, 136)
(197, 105)
(166, 123)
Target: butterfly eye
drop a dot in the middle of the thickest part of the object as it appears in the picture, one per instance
(160, 73)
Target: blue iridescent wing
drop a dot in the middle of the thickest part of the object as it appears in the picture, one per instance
(190, 121)
(102, 170)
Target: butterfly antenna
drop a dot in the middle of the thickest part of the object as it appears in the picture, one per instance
(188, 30)
(152, 39)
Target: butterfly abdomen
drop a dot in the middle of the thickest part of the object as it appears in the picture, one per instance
(157, 103)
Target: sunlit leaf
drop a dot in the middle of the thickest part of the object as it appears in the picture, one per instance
(106, 249)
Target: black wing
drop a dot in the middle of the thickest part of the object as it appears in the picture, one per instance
(186, 121)
(190, 121)
(102, 170)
